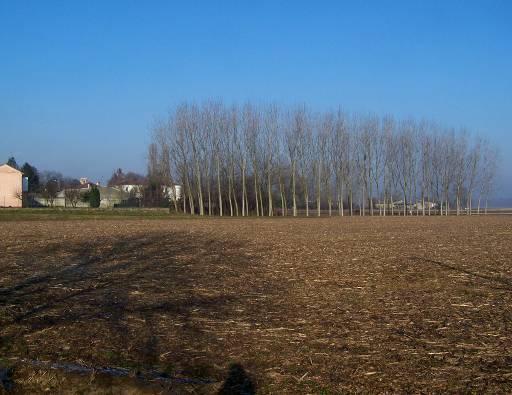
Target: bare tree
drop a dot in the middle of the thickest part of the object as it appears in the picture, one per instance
(269, 150)
(18, 194)
(231, 155)
(303, 134)
(50, 191)
(160, 158)
(488, 174)
(181, 153)
(72, 196)
(337, 149)
(404, 153)
(459, 168)
(252, 138)
(247, 159)
(388, 126)
(292, 145)
(321, 162)
(472, 164)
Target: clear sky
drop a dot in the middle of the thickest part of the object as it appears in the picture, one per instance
(81, 81)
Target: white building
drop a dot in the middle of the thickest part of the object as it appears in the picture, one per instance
(170, 192)
(428, 205)
(173, 192)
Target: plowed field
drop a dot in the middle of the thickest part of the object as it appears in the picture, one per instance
(257, 305)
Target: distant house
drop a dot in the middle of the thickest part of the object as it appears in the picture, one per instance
(385, 206)
(170, 192)
(12, 186)
(418, 206)
(120, 195)
(111, 196)
(134, 189)
(173, 192)
(427, 205)
(400, 206)
(59, 200)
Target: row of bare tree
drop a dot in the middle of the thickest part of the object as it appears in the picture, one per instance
(270, 160)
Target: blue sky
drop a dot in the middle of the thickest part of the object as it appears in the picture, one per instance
(81, 82)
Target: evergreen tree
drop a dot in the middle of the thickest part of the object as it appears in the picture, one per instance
(12, 162)
(94, 197)
(33, 176)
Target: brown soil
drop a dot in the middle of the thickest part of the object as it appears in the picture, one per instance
(266, 305)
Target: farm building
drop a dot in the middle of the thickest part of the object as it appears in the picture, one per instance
(109, 197)
(427, 205)
(12, 186)
(170, 192)
(133, 189)
(387, 206)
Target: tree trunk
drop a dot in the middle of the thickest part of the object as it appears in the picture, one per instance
(244, 207)
(341, 201)
(220, 189)
(262, 209)
(270, 208)
(235, 200)
(230, 196)
(306, 199)
(318, 191)
(199, 191)
(209, 199)
(294, 190)
(371, 198)
(351, 202)
(256, 196)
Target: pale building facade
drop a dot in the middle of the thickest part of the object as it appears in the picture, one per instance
(11, 187)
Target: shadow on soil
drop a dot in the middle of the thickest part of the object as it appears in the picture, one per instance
(237, 382)
(493, 279)
(150, 303)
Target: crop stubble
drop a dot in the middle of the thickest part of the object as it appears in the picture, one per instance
(303, 305)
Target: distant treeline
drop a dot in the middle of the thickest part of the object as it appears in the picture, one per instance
(275, 160)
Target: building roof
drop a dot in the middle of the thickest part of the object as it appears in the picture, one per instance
(8, 169)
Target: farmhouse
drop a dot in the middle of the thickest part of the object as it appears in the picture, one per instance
(135, 190)
(427, 205)
(12, 186)
(172, 192)
(109, 197)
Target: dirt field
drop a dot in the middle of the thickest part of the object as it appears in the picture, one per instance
(259, 305)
